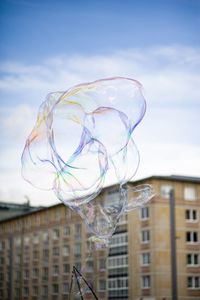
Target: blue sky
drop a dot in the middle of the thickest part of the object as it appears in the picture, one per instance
(52, 45)
(32, 30)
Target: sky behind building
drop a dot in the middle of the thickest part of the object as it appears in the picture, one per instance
(51, 45)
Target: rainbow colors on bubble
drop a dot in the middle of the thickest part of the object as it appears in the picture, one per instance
(82, 141)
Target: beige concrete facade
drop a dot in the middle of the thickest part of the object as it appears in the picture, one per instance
(159, 244)
(38, 250)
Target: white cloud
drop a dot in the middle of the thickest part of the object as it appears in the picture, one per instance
(18, 122)
(167, 138)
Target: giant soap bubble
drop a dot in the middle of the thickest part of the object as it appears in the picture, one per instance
(82, 141)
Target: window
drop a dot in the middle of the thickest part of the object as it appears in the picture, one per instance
(2, 293)
(18, 259)
(56, 234)
(191, 215)
(144, 213)
(55, 289)
(26, 240)
(67, 212)
(57, 215)
(193, 259)
(102, 285)
(55, 270)
(46, 218)
(118, 283)
(55, 251)
(26, 258)
(45, 290)
(112, 198)
(66, 230)
(35, 254)
(145, 236)
(66, 250)
(146, 281)
(35, 290)
(37, 220)
(17, 241)
(45, 236)
(45, 273)
(191, 236)
(90, 286)
(35, 272)
(26, 274)
(77, 231)
(65, 288)
(117, 261)
(66, 268)
(190, 193)
(45, 255)
(193, 282)
(26, 291)
(2, 245)
(165, 191)
(118, 250)
(18, 276)
(119, 239)
(2, 276)
(78, 265)
(17, 293)
(77, 250)
(102, 263)
(35, 238)
(89, 266)
(145, 259)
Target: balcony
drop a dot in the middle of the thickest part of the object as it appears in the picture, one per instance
(115, 272)
(118, 294)
(118, 250)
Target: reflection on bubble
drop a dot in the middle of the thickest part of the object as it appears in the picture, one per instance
(82, 141)
(138, 196)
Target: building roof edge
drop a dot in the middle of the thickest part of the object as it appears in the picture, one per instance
(180, 178)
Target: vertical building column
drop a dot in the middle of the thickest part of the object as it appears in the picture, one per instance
(173, 246)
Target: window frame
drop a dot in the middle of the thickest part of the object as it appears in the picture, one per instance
(143, 284)
(193, 279)
(165, 191)
(66, 253)
(117, 283)
(193, 255)
(146, 241)
(146, 215)
(186, 191)
(56, 234)
(119, 239)
(53, 289)
(65, 292)
(55, 270)
(102, 262)
(190, 212)
(192, 234)
(118, 261)
(102, 280)
(142, 259)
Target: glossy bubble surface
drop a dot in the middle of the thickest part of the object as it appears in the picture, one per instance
(82, 141)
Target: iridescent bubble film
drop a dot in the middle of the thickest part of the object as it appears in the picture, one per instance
(82, 141)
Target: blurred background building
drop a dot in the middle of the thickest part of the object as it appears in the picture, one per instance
(39, 248)
(8, 209)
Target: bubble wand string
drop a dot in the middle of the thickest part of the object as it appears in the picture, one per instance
(77, 275)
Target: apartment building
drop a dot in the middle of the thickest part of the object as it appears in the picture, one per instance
(38, 249)
(13, 209)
